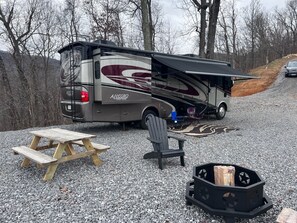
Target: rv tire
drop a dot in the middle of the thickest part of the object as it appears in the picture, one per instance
(221, 112)
(145, 116)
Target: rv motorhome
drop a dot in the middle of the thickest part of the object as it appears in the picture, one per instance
(101, 82)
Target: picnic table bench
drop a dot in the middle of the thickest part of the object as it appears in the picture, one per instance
(62, 140)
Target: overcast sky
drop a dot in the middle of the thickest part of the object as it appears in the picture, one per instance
(175, 16)
(171, 10)
(268, 4)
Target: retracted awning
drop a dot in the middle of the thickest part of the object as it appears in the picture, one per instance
(200, 66)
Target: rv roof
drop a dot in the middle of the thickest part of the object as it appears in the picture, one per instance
(98, 44)
(186, 64)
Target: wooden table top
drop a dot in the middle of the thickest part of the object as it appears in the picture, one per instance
(61, 135)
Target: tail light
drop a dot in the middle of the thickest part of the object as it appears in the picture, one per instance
(84, 96)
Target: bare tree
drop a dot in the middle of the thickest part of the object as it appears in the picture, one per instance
(262, 38)
(144, 7)
(202, 7)
(234, 29)
(209, 10)
(31, 95)
(20, 21)
(105, 20)
(222, 45)
(147, 24)
(13, 116)
(288, 18)
(278, 36)
(252, 11)
(45, 46)
(228, 25)
(69, 21)
(213, 17)
(167, 40)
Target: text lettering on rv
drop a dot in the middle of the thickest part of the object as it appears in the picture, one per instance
(119, 97)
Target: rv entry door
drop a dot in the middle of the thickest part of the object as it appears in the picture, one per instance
(97, 78)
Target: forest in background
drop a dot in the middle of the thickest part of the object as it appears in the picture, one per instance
(32, 31)
(45, 97)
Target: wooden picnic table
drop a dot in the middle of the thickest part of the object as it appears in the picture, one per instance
(62, 140)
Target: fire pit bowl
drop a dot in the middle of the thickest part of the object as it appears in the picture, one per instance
(244, 200)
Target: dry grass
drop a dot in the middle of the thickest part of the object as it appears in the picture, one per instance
(267, 74)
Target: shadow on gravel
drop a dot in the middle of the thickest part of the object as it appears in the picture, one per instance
(187, 127)
(106, 127)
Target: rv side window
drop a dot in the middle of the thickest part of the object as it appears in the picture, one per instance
(97, 70)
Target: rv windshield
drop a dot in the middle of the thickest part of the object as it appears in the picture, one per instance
(70, 66)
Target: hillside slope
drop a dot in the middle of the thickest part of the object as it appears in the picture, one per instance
(268, 75)
(44, 84)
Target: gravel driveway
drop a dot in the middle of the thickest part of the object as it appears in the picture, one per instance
(127, 188)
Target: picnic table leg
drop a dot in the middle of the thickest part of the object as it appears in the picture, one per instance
(53, 167)
(50, 143)
(33, 145)
(88, 145)
(69, 149)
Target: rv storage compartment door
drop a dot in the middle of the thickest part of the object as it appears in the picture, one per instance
(97, 79)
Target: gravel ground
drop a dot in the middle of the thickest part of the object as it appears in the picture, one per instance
(127, 188)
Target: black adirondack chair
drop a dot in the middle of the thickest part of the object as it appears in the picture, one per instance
(158, 136)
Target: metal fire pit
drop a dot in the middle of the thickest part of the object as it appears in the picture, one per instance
(244, 200)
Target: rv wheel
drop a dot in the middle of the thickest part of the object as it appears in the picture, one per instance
(221, 112)
(145, 116)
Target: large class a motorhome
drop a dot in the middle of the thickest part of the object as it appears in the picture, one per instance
(101, 82)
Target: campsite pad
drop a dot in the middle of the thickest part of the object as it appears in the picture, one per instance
(200, 130)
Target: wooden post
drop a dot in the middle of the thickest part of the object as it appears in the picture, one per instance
(224, 175)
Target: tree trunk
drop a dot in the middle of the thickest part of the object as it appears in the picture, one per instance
(213, 18)
(147, 24)
(226, 38)
(202, 34)
(234, 36)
